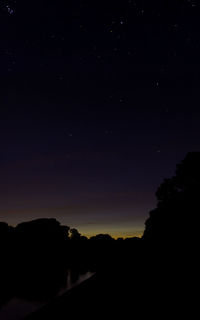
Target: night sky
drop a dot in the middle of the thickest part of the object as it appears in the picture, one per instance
(99, 100)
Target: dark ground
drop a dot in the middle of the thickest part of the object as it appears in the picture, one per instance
(153, 290)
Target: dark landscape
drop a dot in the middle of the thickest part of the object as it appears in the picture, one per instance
(99, 159)
(128, 274)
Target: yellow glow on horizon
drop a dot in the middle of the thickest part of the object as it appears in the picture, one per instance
(114, 235)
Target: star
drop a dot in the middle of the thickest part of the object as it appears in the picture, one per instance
(10, 10)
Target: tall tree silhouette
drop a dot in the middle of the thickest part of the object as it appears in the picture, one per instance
(175, 217)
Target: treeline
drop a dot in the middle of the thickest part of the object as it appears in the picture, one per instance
(36, 255)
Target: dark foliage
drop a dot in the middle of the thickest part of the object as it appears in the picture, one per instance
(171, 234)
(174, 220)
(33, 258)
(36, 255)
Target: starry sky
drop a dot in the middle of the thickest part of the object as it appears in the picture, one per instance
(98, 102)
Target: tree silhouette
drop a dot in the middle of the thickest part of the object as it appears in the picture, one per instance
(75, 235)
(40, 257)
(101, 237)
(175, 217)
(6, 265)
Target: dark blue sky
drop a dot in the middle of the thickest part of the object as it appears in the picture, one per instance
(99, 102)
